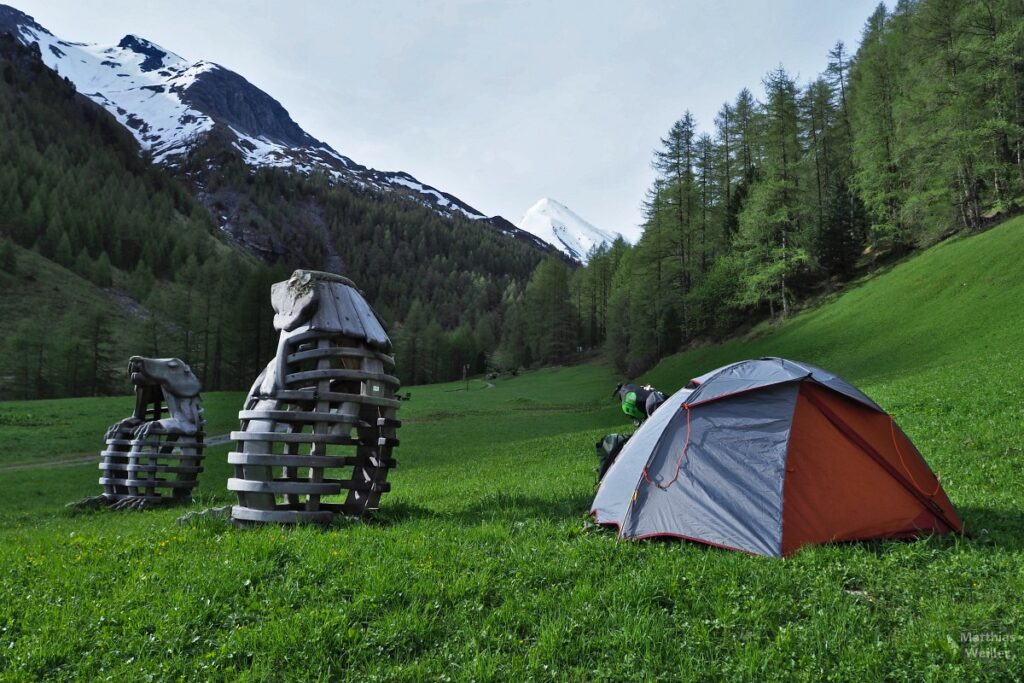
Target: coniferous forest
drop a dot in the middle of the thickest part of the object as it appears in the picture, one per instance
(915, 136)
(794, 188)
(82, 211)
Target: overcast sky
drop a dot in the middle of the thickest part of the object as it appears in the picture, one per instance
(499, 103)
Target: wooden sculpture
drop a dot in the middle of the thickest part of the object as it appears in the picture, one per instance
(318, 426)
(154, 456)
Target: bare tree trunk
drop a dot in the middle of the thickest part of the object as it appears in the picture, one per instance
(817, 168)
(785, 304)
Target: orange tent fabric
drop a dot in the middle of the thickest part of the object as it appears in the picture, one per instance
(768, 456)
(836, 490)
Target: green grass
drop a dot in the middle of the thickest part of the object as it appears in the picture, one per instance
(75, 426)
(959, 304)
(482, 566)
(42, 285)
(43, 292)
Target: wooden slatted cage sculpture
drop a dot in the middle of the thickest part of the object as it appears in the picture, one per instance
(154, 457)
(318, 427)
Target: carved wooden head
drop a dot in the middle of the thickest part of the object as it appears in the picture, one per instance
(169, 373)
(327, 303)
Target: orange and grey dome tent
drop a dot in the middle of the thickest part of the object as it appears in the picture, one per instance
(767, 456)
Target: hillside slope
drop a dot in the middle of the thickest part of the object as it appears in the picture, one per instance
(107, 231)
(482, 561)
(936, 342)
(74, 188)
(172, 105)
(955, 305)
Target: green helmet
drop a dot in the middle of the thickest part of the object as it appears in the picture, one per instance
(629, 407)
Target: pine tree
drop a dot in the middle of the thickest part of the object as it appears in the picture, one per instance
(837, 70)
(745, 131)
(548, 308)
(705, 180)
(840, 237)
(874, 87)
(8, 257)
(96, 335)
(27, 347)
(620, 311)
(62, 254)
(674, 162)
(724, 141)
(83, 265)
(103, 274)
(140, 284)
(408, 356)
(770, 223)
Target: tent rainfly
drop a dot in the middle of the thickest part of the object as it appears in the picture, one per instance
(767, 456)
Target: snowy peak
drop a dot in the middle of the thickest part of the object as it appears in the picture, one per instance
(562, 228)
(171, 104)
(137, 81)
(153, 56)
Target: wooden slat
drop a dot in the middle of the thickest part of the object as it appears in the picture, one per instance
(335, 374)
(149, 483)
(300, 416)
(325, 462)
(277, 516)
(274, 460)
(341, 351)
(327, 439)
(376, 486)
(335, 397)
(174, 469)
(161, 445)
(193, 457)
(323, 488)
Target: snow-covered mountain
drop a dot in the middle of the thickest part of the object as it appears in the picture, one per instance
(170, 103)
(560, 227)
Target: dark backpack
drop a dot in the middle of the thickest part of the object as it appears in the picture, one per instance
(607, 450)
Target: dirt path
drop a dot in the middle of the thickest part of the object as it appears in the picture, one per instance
(85, 459)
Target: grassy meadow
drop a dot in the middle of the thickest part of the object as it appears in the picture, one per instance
(482, 564)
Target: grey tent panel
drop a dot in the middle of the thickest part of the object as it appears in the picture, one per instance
(617, 486)
(729, 488)
(701, 379)
(753, 374)
(836, 384)
(740, 377)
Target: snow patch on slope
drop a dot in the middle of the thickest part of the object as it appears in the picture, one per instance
(142, 84)
(145, 87)
(436, 197)
(136, 81)
(560, 227)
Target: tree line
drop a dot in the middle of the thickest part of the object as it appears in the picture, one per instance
(783, 194)
(916, 135)
(75, 190)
